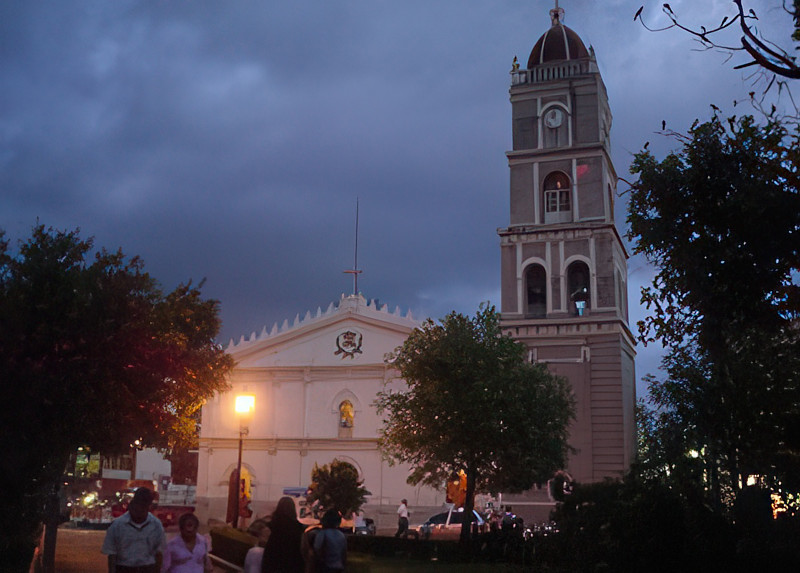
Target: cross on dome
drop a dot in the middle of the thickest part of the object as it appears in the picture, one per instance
(556, 15)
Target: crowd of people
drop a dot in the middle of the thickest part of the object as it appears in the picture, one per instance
(136, 543)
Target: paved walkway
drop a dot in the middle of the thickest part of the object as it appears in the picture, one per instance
(78, 551)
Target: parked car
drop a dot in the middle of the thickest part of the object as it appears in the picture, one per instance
(448, 524)
(363, 526)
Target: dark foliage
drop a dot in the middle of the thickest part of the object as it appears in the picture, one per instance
(475, 404)
(92, 353)
(336, 486)
(615, 526)
(720, 220)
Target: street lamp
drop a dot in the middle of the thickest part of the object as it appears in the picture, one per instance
(579, 297)
(244, 406)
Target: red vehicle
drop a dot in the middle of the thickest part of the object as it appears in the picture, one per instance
(96, 507)
(167, 514)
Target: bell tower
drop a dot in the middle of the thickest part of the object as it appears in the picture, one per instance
(563, 263)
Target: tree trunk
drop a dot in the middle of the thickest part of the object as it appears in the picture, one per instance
(469, 505)
(50, 531)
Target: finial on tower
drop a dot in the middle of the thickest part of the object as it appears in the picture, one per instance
(556, 15)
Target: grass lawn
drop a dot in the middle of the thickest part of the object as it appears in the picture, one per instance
(362, 563)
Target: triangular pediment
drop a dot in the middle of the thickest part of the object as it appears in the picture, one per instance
(353, 333)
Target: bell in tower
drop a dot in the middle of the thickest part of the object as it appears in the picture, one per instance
(563, 263)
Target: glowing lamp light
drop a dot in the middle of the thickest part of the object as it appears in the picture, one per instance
(244, 406)
(245, 403)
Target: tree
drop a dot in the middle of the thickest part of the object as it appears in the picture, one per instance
(764, 53)
(92, 353)
(681, 434)
(336, 486)
(720, 219)
(474, 403)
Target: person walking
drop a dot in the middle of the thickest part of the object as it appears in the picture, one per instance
(255, 555)
(330, 544)
(135, 541)
(282, 552)
(187, 552)
(402, 519)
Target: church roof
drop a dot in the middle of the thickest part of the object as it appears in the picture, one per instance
(557, 44)
(349, 305)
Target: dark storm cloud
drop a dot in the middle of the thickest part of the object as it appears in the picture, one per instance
(229, 140)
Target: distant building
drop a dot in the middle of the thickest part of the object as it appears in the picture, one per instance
(314, 383)
(563, 264)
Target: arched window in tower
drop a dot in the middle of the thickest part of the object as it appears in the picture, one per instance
(346, 413)
(557, 198)
(536, 291)
(578, 287)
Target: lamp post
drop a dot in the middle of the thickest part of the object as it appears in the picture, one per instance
(245, 404)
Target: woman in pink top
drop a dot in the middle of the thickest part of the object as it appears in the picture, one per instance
(187, 552)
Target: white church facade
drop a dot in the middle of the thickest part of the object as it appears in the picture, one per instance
(314, 383)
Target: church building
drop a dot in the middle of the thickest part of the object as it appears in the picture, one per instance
(563, 264)
(563, 295)
(312, 385)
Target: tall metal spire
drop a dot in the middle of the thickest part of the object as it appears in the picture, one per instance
(355, 271)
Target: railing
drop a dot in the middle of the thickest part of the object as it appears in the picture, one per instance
(555, 71)
(225, 565)
(178, 495)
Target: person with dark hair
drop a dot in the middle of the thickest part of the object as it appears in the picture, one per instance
(282, 553)
(255, 555)
(135, 541)
(330, 544)
(187, 552)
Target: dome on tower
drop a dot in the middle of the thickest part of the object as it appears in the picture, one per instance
(557, 44)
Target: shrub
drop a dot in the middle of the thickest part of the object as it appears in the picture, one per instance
(231, 544)
(630, 526)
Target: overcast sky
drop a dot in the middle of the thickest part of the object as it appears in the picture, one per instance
(230, 140)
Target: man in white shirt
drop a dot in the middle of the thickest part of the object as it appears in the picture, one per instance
(402, 519)
(135, 541)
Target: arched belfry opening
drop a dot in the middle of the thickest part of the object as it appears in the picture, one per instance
(557, 198)
(535, 291)
(578, 287)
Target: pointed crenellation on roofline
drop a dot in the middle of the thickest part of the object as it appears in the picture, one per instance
(346, 303)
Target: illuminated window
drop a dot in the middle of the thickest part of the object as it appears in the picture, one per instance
(557, 198)
(346, 413)
(557, 192)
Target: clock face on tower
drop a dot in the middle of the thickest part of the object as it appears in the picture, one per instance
(553, 118)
